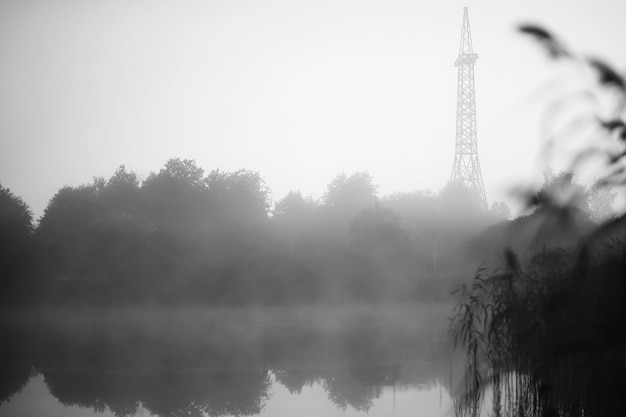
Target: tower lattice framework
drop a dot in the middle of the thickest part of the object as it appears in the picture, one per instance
(466, 168)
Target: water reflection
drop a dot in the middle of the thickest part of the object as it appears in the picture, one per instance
(429, 400)
(216, 365)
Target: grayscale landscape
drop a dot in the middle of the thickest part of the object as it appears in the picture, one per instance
(346, 208)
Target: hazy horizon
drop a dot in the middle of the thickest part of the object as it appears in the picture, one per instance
(207, 288)
(298, 92)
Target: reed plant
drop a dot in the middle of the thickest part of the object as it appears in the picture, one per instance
(546, 338)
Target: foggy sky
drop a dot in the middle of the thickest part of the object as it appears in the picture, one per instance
(298, 91)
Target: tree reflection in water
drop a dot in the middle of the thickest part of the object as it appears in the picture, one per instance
(174, 369)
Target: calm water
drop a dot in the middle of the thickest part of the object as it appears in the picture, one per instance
(313, 400)
(376, 361)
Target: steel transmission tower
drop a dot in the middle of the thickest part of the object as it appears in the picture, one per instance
(466, 168)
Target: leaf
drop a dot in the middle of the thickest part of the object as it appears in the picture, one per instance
(554, 48)
(615, 125)
(607, 75)
(536, 31)
(510, 258)
(616, 157)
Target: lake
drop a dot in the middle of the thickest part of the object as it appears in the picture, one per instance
(267, 361)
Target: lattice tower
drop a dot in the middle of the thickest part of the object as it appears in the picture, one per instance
(466, 168)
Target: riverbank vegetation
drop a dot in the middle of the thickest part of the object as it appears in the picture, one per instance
(543, 333)
(183, 237)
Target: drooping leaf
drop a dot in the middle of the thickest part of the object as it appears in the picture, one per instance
(552, 45)
(607, 76)
(615, 125)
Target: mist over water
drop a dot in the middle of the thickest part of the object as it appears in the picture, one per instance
(227, 361)
(194, 290)
(184, 295)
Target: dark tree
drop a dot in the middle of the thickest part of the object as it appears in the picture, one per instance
(243, 195)
(64, 230)
(16, 251)
(350, 193)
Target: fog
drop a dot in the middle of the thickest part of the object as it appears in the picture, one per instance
(224, 361)
(136, 281)
(184, 293)
(297, 92)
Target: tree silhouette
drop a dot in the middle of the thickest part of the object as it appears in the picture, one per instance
(16, 245)
(243, 196)
(350, 193)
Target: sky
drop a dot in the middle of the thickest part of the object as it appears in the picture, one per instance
(299, 91)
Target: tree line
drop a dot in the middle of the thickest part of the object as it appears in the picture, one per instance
(184, 236)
